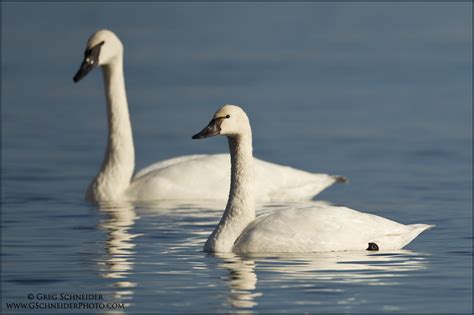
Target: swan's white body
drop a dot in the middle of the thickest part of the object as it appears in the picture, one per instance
(208, 177)
(187, 177)
(323, 229)
(318, 228)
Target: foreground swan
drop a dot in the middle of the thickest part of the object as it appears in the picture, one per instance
(187, 177)
(318, 228)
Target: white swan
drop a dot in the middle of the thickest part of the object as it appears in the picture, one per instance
(318, 228)
(187, 177)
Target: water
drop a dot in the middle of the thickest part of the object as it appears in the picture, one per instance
(378, 92)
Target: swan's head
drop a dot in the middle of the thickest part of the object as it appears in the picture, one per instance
(229, 120)
(102, 48)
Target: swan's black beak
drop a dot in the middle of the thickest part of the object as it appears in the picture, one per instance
(85, 68)
(212, 129)
(91, 60)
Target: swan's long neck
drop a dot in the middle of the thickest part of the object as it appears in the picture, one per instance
(240, 209)
(119, 161)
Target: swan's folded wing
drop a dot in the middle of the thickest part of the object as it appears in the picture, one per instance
(276, 182)
(208, 177)
(320, 228)
(166, 163)
(202, 177)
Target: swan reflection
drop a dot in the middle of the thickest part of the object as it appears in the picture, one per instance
(316, 274)
(343, 267)
(118, 261)
(242, 279)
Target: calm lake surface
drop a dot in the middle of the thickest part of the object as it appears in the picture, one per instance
(377, 92)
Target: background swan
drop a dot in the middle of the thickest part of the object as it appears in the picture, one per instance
(187, 177)
(314, 229)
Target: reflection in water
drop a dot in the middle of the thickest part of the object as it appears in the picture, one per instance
(343, 267)
(242, 279)
(314, 273)
(179, 232)
(189, 220)
(118, 261)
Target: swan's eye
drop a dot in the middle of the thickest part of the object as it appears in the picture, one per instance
(227, 116)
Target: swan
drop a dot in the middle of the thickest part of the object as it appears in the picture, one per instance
(194, 177)
(316, 228)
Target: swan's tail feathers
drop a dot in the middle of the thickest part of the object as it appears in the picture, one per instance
(416, 229)
(421, 227)
(340, 179)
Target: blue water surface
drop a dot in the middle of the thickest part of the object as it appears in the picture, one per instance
(377, 92)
